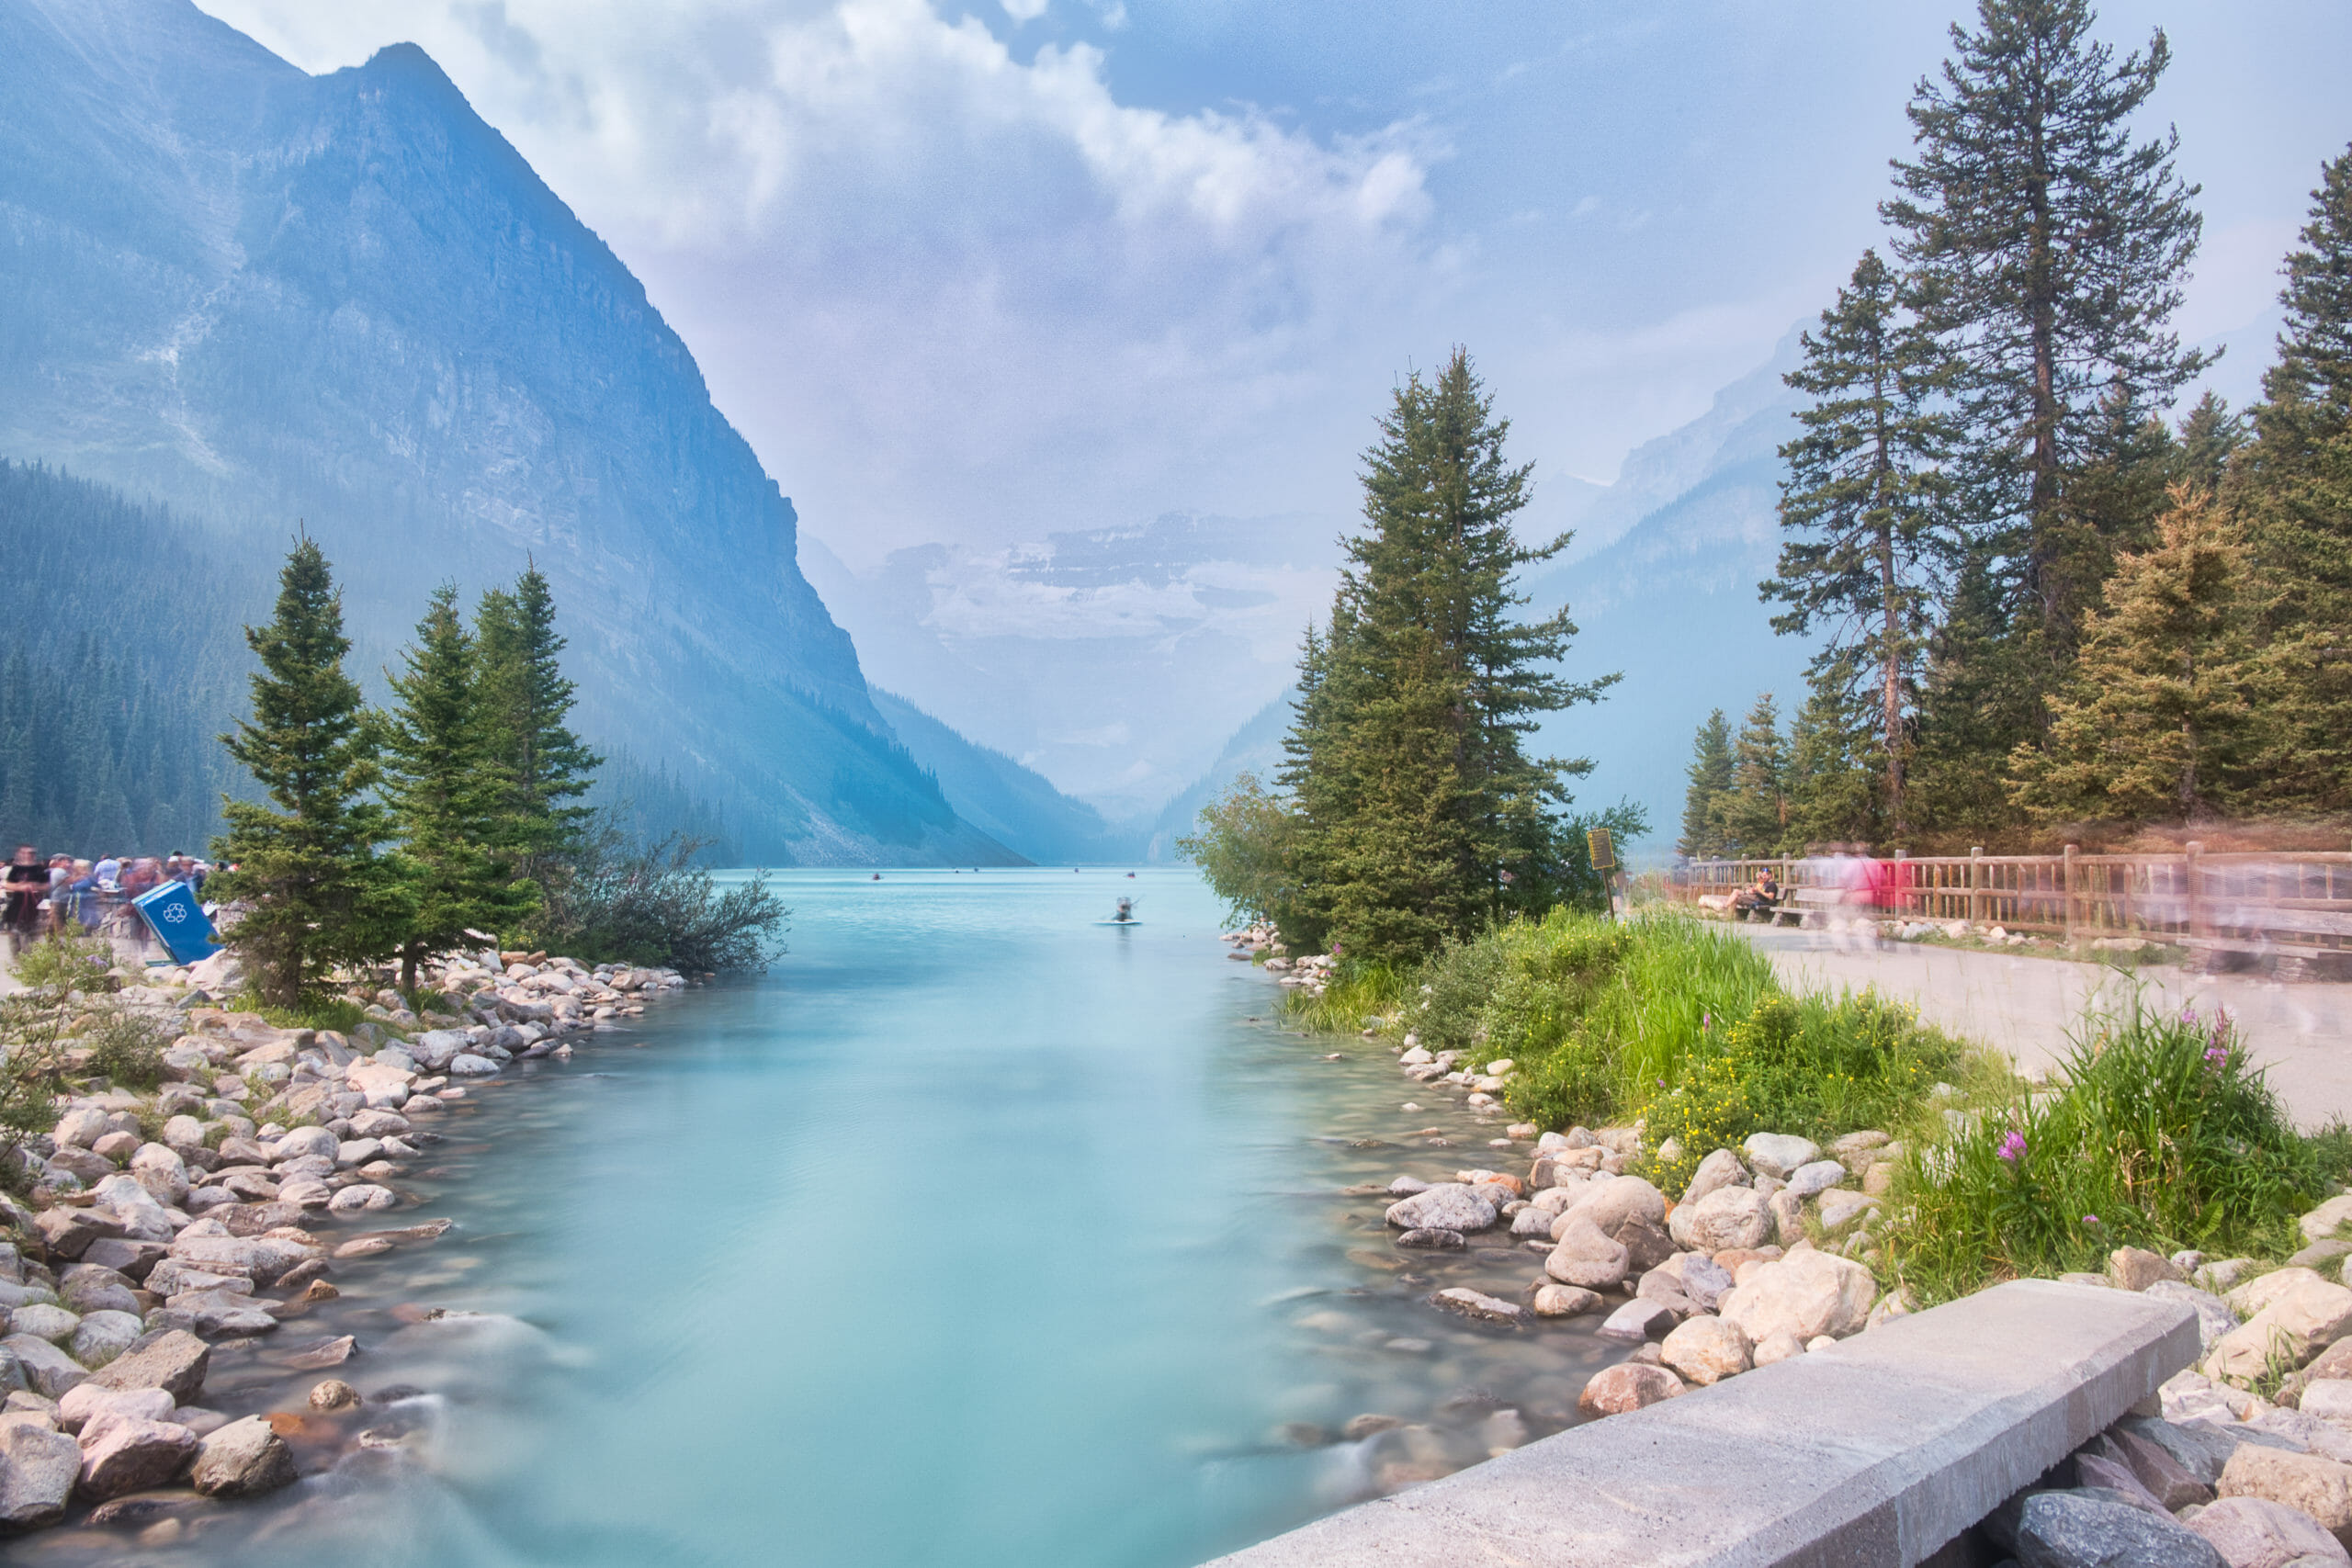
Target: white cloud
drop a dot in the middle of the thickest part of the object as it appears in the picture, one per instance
(949, 292)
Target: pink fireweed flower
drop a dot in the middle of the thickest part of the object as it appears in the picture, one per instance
(2090, 1219)
(2216, 1057)
(2012, 1147)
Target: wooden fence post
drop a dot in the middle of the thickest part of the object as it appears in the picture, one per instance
(1976, 884)
(2066, 888)
(2195, 916)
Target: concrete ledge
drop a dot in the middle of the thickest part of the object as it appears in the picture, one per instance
(1870, 1455)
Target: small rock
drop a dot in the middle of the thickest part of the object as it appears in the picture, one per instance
(44, 1321)
(86, 1402)
(1808, 1180)
(2214, 1318)
(2255, 1532)
(1449, 1205)
(366, 1196)
(1706, 1350)
(2319, 1225)
(104, 1335)
(123, 1453)
(243, 1459)
(1435, 1239)
(1473, 1305)
(1721, 1168)
(333, 1393)
(1640, 1318)
(1840, 1208)
(1726, 1218)
(1807, 1294)
(2071, 1529)
(1778, 1154)
(38, 1470)
(1587, 1256)
(1780, 1346)
(2319, 1487)
(2136, 1268)
(47, 1370)
(1619, 1389)
(175, 1361)
(1565, 1301)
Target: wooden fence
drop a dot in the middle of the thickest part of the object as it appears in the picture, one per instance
(2290, 903)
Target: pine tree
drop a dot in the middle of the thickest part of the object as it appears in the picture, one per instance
(1709, 776)
(1753, 815)
(1832, 785)
(1421, 814)
(307, 859)
(2164, 716)
(448, 790)
(1865, 546)
(529, 702)
(2048, 249)
(2210, 436)
(2293, 483)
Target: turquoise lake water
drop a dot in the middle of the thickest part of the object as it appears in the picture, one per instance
(972, 1233)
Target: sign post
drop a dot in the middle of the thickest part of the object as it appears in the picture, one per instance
(1603, 851)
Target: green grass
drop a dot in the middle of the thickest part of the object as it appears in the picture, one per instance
(1357, 994)
(2159, 1133)
(322, 1012)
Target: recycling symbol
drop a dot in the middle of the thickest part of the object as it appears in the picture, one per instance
(174, 914)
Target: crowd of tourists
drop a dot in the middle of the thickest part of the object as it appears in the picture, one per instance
(79, 898)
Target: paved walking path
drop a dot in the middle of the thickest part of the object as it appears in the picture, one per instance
(2301, 1033)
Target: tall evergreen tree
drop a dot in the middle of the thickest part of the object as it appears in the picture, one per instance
(1709, 776)
(448, 790)
(2049, 249)
(1753, 815)
(2210, 436)
(1832, 785)
(2165, 718)
(1864, 546)
(307, 859)
(1420, 813)
(2293, 483)
(530, 703)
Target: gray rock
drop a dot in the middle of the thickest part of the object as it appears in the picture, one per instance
(1727, 1217)
(1435, 1240)
(221, 1312)
(70, 1231)
(53, 1323)
(2165, 1477)
(38, 1470)
(159, 1168)
(366, 1197)
(1611, 1201)
(1472, 1303)
(88, 1289)
(2214, 1318)
(81, 1127)
(49, 1371)
(129, 1201)
(243, 1459)
(466, 1065)
(123, 1453)
(260, 1258)
(1703, 1279)
(357, 1152)
(308, 1143)
(434, 1049)
(379, 1124)
(1721, 1168)
(1532, 1221)
(1840, 1208)
(173, 1361)
(1405, 1186)
(1449, 1205)
(1584, 1256)
(2255, 1532)
(1819, 1177)
(1779, 1154)
(1640, 1318)
(2070, 1529)
(104, 1335)
(86, 1402)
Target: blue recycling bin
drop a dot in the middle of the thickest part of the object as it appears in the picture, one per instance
(178, 921)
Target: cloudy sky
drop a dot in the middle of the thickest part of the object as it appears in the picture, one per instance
(975, 273)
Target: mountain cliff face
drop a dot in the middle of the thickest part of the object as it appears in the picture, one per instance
(345, 303)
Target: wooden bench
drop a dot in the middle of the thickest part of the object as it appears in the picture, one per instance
(2243, 935)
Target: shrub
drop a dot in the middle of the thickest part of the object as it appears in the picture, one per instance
(1358, 991)
(127, 1049)
(648, 903)
(62, 962)
(2161, 1134)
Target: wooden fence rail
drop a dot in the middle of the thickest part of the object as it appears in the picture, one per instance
(2295, 903)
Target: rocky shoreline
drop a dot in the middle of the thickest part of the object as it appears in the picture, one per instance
(209, 1217)
(1758, 1262)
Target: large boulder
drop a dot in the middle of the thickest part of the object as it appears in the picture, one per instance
(86, 1402)
(1613, 1391)
(68, 1232)
(142, 1218)
(1706, 1350)
(42, 1320)
(243, 1459)
(49, 1371)
(1447, 1206)
(173, 1361)
(2076, 1530)
(124, 1453)
(1610, 1202)
(1808, 1293)
(1779, 1154)
(101, 1337)
(2263, 1289)
(1724, 1218)
(437, 1048)
(1721, 1168)
(1810, 1181)
(305, 1143)
(2319, 1225)
(2214, 1318)
(260, 1258)
(2317, 1487)
(2297, 1325)
(1585, 1255)
(38, 1470)
(81, 1127)
(2255, 1532)
(159, 1168)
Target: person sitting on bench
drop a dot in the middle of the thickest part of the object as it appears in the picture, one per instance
(1764, 893)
